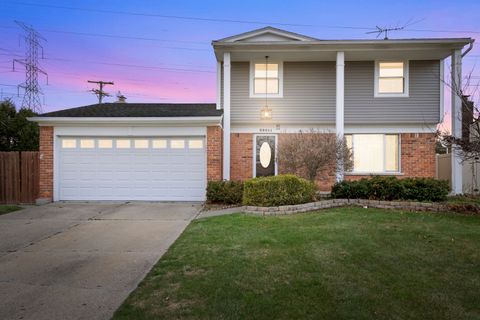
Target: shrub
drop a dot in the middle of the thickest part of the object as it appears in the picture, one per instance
(278, 191)
(391, 188)
(226, 192)
(426, 189)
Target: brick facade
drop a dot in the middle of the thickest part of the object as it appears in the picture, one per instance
(241, 156)
(46, 164)
(214, 153)
(418, 154)
(417, 158)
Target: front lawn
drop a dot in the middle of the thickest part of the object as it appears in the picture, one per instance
(345, 263)
(5, 208)
(464, 199)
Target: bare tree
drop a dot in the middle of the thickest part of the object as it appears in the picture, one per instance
(306, 154)
(467, 146)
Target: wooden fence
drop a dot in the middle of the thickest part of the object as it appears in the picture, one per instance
(19, 177)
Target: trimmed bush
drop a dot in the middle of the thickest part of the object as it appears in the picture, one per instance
(277, 191)
(391, 188)
(226, 192)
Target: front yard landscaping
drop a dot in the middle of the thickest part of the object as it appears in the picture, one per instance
(5, 208)
(344, 263)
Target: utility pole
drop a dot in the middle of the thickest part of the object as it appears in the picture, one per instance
(99, 92)
(31, 99)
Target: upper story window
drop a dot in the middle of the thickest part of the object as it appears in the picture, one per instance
(391, 79)
(266, 79)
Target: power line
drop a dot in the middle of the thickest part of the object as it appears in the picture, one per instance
(159, 15)
(154, 15)
(115, 36)
(130, 65)
(125, 65)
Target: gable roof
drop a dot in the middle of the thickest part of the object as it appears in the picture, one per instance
(270, 33)
(289, 46)
(138, 110)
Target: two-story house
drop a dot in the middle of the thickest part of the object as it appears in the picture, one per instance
(385, 96)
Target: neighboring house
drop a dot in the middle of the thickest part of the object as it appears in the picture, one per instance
(385, 96)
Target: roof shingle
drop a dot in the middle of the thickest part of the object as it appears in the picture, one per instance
(139, 110)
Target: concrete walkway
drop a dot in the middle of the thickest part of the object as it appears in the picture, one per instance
(81, 260)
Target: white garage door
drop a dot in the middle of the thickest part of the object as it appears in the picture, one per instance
(151, 168)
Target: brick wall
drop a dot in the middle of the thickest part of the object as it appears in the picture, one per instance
(418, 154)
(241, 159)
(214, 153)
(417, 158)
(46, 163)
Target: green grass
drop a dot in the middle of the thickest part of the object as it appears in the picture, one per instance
(346, 263)
(462, 200)
(5, 208)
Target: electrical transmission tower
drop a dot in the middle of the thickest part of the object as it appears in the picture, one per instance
(99, 92)
(31, 98)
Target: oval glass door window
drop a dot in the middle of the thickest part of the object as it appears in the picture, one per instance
(265, 154)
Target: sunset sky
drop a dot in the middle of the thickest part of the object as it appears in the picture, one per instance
(159, 51)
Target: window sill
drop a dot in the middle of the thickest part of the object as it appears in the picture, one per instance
(374, 174)
(391, 95)
(262, 96)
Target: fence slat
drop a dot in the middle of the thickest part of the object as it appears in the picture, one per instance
(19, 177)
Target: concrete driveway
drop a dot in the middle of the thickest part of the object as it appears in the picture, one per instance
(81, 260)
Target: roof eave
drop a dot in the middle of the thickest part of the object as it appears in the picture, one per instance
(166, 121)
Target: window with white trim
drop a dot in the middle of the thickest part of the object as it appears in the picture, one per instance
(87, 143)
(69, 143)
(140, 143)
(123, 143)
(374, 153)
(195, 144)
(391, 78)
(159, 144)
(105, 143)
(177, 144)
(266, 79)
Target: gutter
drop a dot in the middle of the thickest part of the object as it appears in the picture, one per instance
(44, 121)
(470, 47)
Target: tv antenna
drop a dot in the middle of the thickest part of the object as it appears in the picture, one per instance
(380, 30)
(385, 30)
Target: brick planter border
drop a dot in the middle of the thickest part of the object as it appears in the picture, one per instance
(326, 204)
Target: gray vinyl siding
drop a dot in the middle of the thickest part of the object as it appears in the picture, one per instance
(422, 105)
(308, 94)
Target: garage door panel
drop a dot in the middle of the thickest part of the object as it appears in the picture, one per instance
(154, 168)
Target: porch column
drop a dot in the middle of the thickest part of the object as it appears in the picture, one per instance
(226, 115)
(456, 86)
(219, 85)
(340, 102)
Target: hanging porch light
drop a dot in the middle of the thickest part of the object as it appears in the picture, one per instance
(265, 111)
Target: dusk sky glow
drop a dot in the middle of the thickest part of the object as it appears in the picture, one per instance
(174, 61)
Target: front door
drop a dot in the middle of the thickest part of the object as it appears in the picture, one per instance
(265, 151)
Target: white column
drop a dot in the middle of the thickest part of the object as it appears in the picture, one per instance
(456, 85)
(340, 104)
(219, 85)
(226, 115)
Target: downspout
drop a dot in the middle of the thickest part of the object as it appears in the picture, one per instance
(470, 47)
